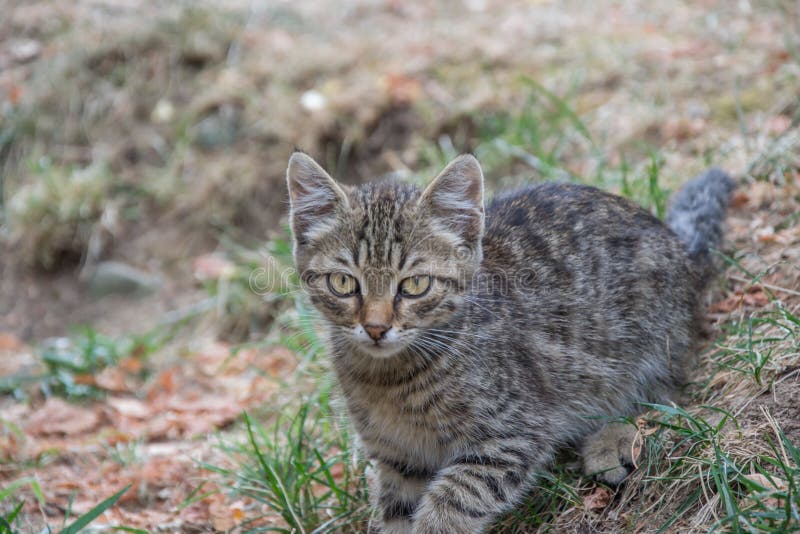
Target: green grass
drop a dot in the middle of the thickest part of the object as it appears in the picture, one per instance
(758, 339)
(300, 468)
(694, 454)
(67, 365)
(8, 520)
(297, 460)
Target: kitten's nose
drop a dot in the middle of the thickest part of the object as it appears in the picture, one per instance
(376, 331)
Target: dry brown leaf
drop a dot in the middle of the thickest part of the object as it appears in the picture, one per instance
(85, 379)
(337, 471)
(164, 384)
(10, 342)
(762, 480)
(739, 199)
(279, 361)
(776, 484)
(211, 359)
(131, 365)
(754, 297)
(129, 407)
(598, 499)
(225, 515)
(212, 266)
(14, 94)
(402, 89)
(766, 234)
(112, 379)
(56, 416)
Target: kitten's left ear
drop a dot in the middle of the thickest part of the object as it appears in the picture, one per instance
(316, 199)
(455, 198)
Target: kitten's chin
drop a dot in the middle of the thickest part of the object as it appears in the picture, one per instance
(382, 350)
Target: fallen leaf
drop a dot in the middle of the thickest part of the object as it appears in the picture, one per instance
(10, 342)
(726, 305)
(85, 379)
(212, 266)
(278, 362)
(131, 365)
(766, 234)
(164, 384)
(337, 471)
(739, 199)
(213, 357)
(754, 297)
(15, 94)
(775, 484)
(598, 499)
(224, 515)
(237, 512)
(645, 429)
(112, 379)
(402, 89)
(56, 416)
(129, 407)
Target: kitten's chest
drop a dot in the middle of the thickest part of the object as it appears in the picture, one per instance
(421, 429)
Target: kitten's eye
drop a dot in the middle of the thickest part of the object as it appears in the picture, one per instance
(342, 284)
(415, 286)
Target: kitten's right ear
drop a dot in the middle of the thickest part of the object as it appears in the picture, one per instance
(455, 199)
(314, 196)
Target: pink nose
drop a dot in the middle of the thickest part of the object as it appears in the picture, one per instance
(376, 331)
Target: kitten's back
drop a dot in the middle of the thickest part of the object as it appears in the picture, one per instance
(598, 288)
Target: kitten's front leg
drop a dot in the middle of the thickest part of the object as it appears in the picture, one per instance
(469, 494)
(400, 489)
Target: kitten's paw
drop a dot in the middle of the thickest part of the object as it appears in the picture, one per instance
(608, 453)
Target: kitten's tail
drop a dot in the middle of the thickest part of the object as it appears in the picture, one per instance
(697, 211)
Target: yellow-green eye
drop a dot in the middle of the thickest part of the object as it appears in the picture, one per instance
(342, 284)
(415, 286)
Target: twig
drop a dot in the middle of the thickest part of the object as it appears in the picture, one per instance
(769, 286)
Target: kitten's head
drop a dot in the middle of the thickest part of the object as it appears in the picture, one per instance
(385, 262)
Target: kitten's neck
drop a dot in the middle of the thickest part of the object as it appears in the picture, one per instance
(357, 368)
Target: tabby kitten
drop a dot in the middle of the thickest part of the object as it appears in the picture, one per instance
(471, 344)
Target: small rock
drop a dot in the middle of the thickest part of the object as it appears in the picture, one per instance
(25, 50)
(313, 101)
(163, 112)
(219, 129)
(113, 277)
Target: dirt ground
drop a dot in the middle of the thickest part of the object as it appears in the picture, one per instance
(185, 115)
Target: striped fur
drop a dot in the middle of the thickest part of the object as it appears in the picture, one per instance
(559, 307)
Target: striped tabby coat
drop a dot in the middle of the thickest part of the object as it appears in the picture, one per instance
(472, 343)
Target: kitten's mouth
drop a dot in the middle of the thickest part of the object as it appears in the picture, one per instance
(385, 346)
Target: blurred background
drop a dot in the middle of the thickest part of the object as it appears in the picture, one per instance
(143, 146)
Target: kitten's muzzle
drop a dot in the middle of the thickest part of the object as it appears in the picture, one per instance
(376, 331)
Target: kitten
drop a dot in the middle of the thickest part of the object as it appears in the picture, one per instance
(471, 345)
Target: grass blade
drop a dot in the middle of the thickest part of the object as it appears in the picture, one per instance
(94, 513)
